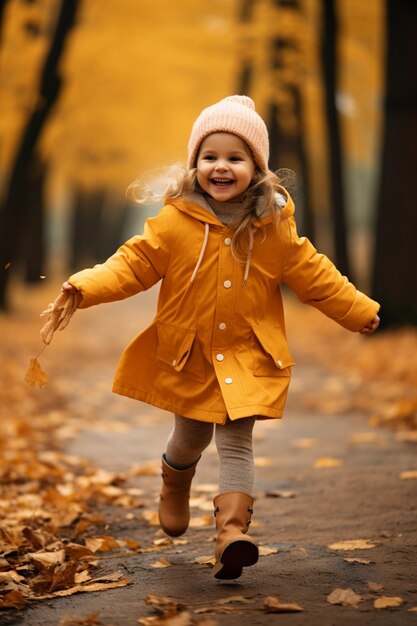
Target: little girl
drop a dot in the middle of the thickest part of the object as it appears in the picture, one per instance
(216, 352)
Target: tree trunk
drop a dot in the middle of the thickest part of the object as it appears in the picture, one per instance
(394, 282)
(14, 209)
(337, 195)
(32, 243)
(287, 146)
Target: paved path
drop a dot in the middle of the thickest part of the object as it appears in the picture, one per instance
(360, 496)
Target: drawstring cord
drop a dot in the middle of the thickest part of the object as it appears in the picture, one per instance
(202, 251)
(248, 258)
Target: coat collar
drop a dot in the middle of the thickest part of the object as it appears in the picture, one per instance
(194, 204)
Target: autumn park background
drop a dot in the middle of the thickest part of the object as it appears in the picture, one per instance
(95, 93)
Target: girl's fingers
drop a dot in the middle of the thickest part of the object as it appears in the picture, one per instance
(68, 287)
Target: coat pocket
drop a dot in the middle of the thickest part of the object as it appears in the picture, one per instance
(179, 349)
(272, 356)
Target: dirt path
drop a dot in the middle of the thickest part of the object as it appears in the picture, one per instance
(320, 480)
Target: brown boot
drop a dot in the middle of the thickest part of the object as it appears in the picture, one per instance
(234, 549)
(174, 508)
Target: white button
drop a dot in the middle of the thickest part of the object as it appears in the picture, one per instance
(222, 326)
(220, 357)
(279, 363)
(227, 284)
(228, 241)
(228, 381)
(174, 362)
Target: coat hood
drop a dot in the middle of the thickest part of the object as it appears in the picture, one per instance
(194, 204)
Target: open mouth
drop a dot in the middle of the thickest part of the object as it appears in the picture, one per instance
(222, 182)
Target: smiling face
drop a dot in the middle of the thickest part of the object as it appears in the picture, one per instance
(225, 166)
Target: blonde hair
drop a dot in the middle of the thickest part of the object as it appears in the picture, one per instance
(177, 180)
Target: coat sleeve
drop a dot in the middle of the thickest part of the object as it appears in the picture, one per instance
(316, 281)
(137, 265)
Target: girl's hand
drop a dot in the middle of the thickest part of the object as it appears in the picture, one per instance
(68, 288)
(371, 327)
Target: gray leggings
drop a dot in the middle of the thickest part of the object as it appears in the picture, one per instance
(190, 438)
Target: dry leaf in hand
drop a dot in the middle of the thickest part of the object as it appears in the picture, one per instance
(345, 597)
(35, 376)
(273, 605)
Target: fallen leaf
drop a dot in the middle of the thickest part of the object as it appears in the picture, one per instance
(325, 462)
(91, 587)
(299, 552)
(375, 586)
(408, 475)
(345, 597)
(11, 575)
(352, 544)
(219, 610)
(409, 436)
(201, 502)
(164, 603)
(101, 544)
(413, 609)
(367, 437)
(238, 599)
(206, 488)
(161, 563)
(63, 576)
(351, 559)
(82, 577)
(263, 461)
(178, 619)
(201, 522)
(205, 560)
(304, 443)
(273, 605)
(280, 493)
(12, 600)
(46, 559)
(266, 551)
(153, 468)
(386, 602)
(151, 517)
(35, 376)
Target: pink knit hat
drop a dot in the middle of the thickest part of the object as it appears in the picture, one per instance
(236, 115)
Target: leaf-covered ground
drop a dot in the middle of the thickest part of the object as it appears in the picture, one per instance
(79, 474)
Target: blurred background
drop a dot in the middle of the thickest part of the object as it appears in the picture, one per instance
(94, 93)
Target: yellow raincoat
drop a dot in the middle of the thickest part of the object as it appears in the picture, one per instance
(217, 346)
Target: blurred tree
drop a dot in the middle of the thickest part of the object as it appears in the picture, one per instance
(272, 34)
(17, 206)
(286, 117)
(337, 193)
(395, 259)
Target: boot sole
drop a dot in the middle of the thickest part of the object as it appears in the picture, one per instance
(237, 555)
